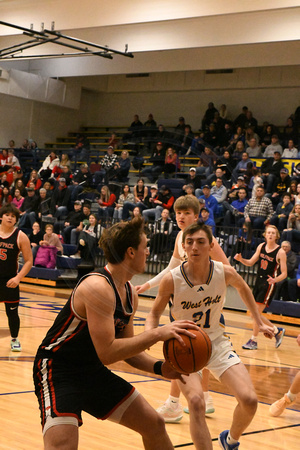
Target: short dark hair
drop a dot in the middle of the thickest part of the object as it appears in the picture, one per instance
(10, 208)
(117, 239)
(197, 226)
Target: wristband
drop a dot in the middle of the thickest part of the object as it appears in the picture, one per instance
(157, 367)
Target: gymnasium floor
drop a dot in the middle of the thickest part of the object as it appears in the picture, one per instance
(271, 370)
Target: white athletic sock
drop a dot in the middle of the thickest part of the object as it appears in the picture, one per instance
(173, 401)
(230, 439)
(254, 338)
(291, 396)
(275, 329)
(206, 395)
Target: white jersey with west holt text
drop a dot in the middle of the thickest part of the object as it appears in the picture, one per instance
(203, 303)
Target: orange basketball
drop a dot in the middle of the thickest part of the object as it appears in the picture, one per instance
(191, 358)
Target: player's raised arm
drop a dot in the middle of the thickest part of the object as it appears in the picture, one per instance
(234, 279)
(249, 262)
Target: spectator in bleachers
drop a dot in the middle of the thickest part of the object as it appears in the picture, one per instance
(241, 167)
(35, 178)
(140, 191)
(188, 190)
(259, 210)
(108, 163)
(233, 193)
(283, 210)
(255, 181)
(82, 179)
(172, 163)
(186, 139)
(149, 127)
(250, 134)
(211, 136)
(66, 174)
(121, 167)
(297, 196)
(197, 146)
(238, 152)
(3, 181)
(219, 191)
(18, 184)
(125, 196)
(163, 200)
(293, 190)
(220, 172)
(162, 230)
(11, 144)
(296, 173)
(266, 136)
(290, 151)
(5, 196)
(158, 160)
(291, 259)
(44, 201)
(12, 161)
(226, 163)
(179, 129)
(219, 126)
(250, 121)
(28, 210)
(208, 116)
(241, 118)
(281, 186)
(106, 203)
(18, 198)
(162, 135)
(4, 161)
(290, 132)
(89, 239)
(206, 163)
(48, 165)
(64, 162)
(49, 186)
(225, 136)
(113, 141)
(136, 213)
(60, 200)
(35, 237)
(273, 147)
(223, 111)
(205, 218)
(237, 136)
(210, 202)
(86, 211)
(292, 232)
(234, 214)
(270, 171)
(254, 150)
(72, 221)
(193, 179)
(51, 239)
(81, 151)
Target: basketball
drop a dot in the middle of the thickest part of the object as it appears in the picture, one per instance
(191, 358)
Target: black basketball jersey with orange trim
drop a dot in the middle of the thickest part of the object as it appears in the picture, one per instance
(69, 339)
(9, 252)
(267, 263)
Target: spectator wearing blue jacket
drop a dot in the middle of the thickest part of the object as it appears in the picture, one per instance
(210, 201)
(204, 217)
(235, 211)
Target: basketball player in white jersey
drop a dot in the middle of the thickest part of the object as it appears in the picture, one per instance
(197, 289)
(187, 210)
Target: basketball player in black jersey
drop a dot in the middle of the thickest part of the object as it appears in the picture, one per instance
(94, 329)
(12, 241)
(271, 269)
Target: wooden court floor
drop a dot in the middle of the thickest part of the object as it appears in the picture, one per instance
(271, 370)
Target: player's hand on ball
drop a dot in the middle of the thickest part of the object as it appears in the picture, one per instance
(267, 331)
(176, 329)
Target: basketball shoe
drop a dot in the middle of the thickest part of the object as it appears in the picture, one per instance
(15, 345)
(223, 441)
(209, 406)
(250, 345)
(170, 414)
(279, 336)
(277, 408)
